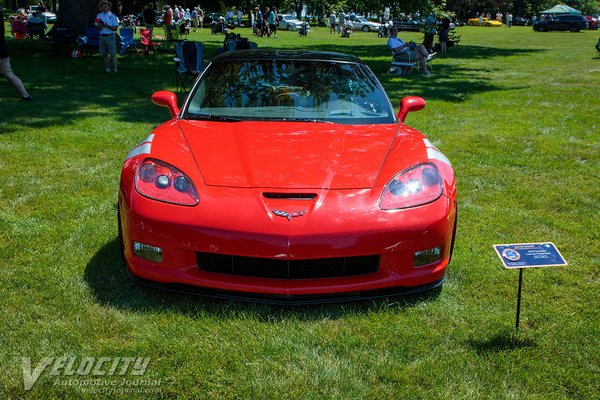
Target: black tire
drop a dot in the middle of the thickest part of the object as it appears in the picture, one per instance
(574, 28)
(290, 28)
(366, 29)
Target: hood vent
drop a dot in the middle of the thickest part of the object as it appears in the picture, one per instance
(289, 196)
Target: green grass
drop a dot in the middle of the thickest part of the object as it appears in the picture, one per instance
(518, 114)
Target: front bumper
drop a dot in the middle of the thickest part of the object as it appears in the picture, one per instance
(183, 232)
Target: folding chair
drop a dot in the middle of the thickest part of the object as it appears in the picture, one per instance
(61, 39)
(146, 41)
(19, 29)
(188, 63)
(92, 43)
(127, 39)
(172, 35)
(36, 29)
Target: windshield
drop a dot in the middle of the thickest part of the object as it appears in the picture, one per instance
(290, 90)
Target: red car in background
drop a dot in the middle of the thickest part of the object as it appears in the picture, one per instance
(287, 177)
(593, 22)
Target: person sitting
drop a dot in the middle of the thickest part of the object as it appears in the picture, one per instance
(402, 49)
(36, 25)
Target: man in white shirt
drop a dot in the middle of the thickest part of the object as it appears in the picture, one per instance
(411, 49)
(108, 23)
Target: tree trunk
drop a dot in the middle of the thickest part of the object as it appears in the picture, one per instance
(77, 15)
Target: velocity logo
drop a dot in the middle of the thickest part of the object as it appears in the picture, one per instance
(85, 366)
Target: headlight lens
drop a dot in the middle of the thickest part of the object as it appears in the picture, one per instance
(413, 187)
(163, 182)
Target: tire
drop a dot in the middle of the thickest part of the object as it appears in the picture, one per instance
(574, 28)
(366, 29)
(290, 27)
(471, 23)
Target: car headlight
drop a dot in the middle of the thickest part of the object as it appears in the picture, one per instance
(163, 182)
(413, 187)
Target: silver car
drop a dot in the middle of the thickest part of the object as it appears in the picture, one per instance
(288, 22)
(363, 24)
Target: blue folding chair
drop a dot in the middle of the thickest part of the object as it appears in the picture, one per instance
(188, 63)
(92, 42)
(127, 39)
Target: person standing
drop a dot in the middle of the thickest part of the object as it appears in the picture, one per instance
(200, 17)
(108, 23)
(273, 23)
(5, 68)
(332, 19)
(149, 17)
(444, 33)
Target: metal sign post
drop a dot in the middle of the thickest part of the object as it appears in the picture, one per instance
(519, 298)
(528, 255)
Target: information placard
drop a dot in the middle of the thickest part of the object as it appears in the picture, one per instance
(526, 255)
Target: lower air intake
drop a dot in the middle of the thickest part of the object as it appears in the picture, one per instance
(288, 269)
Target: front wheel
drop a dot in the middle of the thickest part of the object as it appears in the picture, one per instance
(366, 29)
(290, 28)
(574, 28)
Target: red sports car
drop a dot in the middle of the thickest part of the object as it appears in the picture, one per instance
(287, 177)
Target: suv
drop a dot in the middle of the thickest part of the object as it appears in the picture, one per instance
(573, 23)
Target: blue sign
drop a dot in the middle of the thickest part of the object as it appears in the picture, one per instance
(525, 255)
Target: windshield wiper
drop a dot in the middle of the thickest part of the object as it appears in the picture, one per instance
(213, 118)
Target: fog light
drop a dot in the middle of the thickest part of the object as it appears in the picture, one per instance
(147, 252)
(427, 256)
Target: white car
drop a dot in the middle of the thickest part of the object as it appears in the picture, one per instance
(363, 24)
(289, 22)
(50, 16)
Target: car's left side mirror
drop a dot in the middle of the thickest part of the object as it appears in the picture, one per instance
(410, 104)
(166, 99)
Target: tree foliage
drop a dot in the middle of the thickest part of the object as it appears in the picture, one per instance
(80, 13)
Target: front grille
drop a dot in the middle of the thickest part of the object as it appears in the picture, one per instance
(289, 196)
(288, 269)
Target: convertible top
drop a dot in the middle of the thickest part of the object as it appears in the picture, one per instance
(267, 54)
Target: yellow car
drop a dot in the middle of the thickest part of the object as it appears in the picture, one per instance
(486, 22)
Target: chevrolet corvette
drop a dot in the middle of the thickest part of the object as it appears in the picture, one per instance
(287, 177)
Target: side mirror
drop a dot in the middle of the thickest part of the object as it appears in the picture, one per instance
(410, 104)
(166, 99)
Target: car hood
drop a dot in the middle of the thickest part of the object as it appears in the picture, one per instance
(288, 155)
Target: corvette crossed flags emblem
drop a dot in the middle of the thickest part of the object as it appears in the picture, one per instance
(289, 215)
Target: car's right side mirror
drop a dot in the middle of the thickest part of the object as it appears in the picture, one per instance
(410, 104)
(166, 99)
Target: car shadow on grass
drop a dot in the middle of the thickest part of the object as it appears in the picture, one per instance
(106, 277)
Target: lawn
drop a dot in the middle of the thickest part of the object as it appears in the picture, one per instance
(517, 113)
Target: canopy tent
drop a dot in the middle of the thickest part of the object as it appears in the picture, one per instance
(561, 9)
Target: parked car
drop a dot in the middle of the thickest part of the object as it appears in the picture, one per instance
(210, 17)
(592, 22)
(363, 24)
(49, 16)
(485, 22)
(288, 22)
(409, 25)
(573, 23)
(287, 176)
(521, 21)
